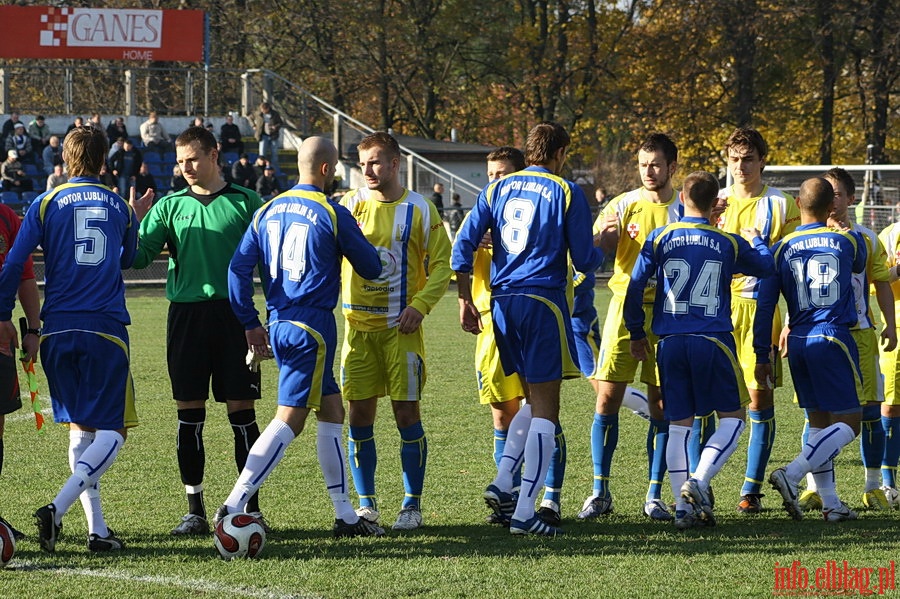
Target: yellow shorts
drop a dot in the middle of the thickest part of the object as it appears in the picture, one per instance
(742, 313)
(379, 363)
(890, 371)
(872, 381)
(615, 363)
(493, 384)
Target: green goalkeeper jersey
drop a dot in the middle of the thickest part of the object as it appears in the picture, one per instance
(201, 233)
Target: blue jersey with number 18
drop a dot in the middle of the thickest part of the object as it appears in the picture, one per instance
(814, 267)
(537, 220)
(693, 263)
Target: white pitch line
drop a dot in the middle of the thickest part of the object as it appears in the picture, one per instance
(200, 585)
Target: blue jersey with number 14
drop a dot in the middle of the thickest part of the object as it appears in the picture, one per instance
(693, 263)
(536, 220)
(299, 238)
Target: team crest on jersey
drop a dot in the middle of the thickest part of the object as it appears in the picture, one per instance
(633, 230)
(401, 232)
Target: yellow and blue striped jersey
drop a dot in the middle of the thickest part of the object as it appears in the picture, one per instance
(890, 239)
(405, 232)
(773, 212)
(876, 270)
(637, 218)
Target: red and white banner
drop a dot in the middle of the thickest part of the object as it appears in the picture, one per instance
(102, 33)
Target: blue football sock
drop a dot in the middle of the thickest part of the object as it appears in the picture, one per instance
(657, 436)
(871, 443)
(499, 444)
(553, 482)
(891, 426)
(604, 438)
(702, 429)
(759, 448)
(413, 457)
(363, 458)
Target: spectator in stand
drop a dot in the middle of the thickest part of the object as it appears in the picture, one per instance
(8, 127)
(52, 155)
(154, 135)
(113, 148)
(268, 186)
(243, 173)
(267, 125)
(108, 179)
(96, 122)
(125, 165)
(14, 178)
(230, 136)
(78, 122)
(258, 167)
(437, 198)
(20, 142)
(178, 182)
(57, 177)
(455, 214)
(144, 181)
(116, 130)
(197, 121)
(39, 132)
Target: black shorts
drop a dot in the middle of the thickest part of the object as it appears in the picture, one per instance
(205, 342)
(10, 398)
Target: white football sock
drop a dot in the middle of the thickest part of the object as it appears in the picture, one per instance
(538, 453)
(718, 449)
(90, 499)
(94, 461)
(264, 456)
(330, 449)
(819, 449)
(825, 487)
(810, 479)
(677, 460)
(514, 450)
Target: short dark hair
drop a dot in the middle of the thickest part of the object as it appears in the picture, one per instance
(844, 178)
(383, 140)
(544, 141)
(200, 135)
(660, 142)
(702, 189)
(747, 137)
(513, 155)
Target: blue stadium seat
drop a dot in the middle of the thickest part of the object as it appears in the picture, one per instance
(10, 197)
(169, 158)
(158, 169)
(31, 169)
(231, 157)
(152, 158)
(29, 196)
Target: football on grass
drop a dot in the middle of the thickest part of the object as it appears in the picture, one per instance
(239, 535)
(7, 544)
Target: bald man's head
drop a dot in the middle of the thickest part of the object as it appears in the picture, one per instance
(316, 160)
(816, 197)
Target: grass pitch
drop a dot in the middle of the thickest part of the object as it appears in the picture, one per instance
(455, 554)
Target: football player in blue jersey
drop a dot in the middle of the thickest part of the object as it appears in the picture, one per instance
(814, 268)
(301, 237)
(88, 235)
(537, 219)
(692, 319)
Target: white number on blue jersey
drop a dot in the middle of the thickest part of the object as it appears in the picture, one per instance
(818, 285)
(292, 254)
(90, 240)
(704, 293)
(517, 217)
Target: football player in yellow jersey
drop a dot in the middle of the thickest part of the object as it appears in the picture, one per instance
(871, 438)
(384, 347)
(635, 214)
(749, 203)
(890, 369)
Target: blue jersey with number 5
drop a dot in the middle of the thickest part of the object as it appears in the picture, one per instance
(693, 263)
(536, 220)
(88, 235)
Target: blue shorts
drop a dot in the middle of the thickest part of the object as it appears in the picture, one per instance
(586, 328)
(824, 364)
(304, 351)
(700, 373)
(534, 333)
(86, 361)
